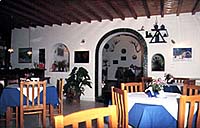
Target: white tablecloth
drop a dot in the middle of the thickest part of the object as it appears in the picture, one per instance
(170, 102)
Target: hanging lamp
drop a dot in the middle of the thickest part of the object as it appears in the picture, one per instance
(11, 50)
(29, 52)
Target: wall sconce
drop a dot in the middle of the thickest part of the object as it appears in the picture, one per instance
(82, 42)
(159, 34)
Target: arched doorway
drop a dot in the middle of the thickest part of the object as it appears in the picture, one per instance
(102, 45)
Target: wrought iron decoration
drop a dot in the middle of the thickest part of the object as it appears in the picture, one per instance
(159, 34)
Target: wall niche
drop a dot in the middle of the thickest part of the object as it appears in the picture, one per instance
(60, 59)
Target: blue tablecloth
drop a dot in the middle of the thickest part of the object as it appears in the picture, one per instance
(11, 97)
(151, 116)
(173, 89)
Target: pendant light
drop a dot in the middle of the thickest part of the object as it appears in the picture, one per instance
(29, 52)
(10, 50)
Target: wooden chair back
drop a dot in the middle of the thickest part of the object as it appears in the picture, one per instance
(191, 89)
(132, 86)
(146, 81)
(60, 85)
(188, 107)
(119, 98)
(190, 82)
(32, 99)
(180, 80)
(87, 117)
(58, 110)
(10, 114)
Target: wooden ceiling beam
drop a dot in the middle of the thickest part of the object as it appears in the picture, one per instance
(131, 9)
(146, 8)
(84, 5)
(196, 5)
(17, 22)
(115, 7)
(68, 14)
(162, 8)
(42, 10)
(28, 10)
(104, 11)
(180, 2)
(72, 8)
(23, 14)
(49, 9)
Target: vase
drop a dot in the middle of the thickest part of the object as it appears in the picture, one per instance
(156, 93)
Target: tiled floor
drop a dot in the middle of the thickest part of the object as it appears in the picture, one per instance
(32, 121)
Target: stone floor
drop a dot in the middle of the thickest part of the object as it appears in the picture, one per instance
(31, 121)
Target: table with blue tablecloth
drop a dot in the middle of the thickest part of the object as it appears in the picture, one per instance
(10, 97)
(150, 116)
(175, 88)
(152, 112)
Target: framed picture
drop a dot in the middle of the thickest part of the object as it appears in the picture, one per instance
(182, 54)
(123, 58)
(81, 57)
(115, 61)
(60, 52)
(158, 63)
(23, 57)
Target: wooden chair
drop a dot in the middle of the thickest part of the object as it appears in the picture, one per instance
(58, 110)
(87, 117)
(146, 81)
(29, 104)
(132, 86)
(12, 113)
(190, 82)
(119, 98)
(191, 89)
(191, 101)
(60, 85)
(180, 80)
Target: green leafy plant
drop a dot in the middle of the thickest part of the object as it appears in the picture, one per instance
(157, 85)
(76, 82)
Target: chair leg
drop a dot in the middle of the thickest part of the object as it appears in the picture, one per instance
(21, 120)
(44, 119)
(16, 118)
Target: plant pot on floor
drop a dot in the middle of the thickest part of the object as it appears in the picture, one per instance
(75, 84)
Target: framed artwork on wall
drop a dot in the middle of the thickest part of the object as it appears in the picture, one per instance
(23, 57)
(123, 58)
(158, 63)
(81, 57)
(60, 52)
(60, 58)
(115, 61)
(182, 54)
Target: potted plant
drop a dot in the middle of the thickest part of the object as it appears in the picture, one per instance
(75, 84)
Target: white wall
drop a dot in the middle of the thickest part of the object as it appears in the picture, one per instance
(184, 30)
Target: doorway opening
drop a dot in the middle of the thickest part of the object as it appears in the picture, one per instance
(118, 51)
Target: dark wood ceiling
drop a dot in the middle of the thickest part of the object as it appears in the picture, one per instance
(25, 13)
